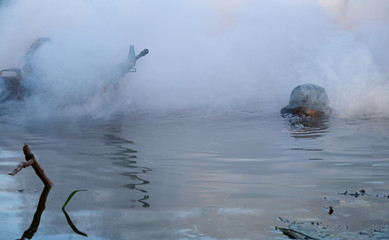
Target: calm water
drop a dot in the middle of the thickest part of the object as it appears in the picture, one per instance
(197, 175)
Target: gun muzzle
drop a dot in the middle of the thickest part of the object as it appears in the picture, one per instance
(143, 53)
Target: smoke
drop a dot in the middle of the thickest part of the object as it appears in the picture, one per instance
(203, 54)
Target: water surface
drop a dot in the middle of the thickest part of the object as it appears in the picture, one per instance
(197, 175)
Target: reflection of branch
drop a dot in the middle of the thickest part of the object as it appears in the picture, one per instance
(29, 233)
(31, 161)
(67, 216)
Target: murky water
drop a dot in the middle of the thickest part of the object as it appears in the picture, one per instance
(197, 175)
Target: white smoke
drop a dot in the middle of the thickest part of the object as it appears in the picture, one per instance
(353, 64)
(202, 53)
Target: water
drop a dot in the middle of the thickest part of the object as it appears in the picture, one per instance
(192, 145)
(197, 174)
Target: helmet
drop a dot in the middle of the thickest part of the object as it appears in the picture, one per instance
(309, 96)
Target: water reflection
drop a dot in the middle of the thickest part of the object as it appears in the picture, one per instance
(29, 233)
(306, 127)
(125, 157)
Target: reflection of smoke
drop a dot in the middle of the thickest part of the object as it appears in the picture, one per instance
(259, 52)
(125, 157)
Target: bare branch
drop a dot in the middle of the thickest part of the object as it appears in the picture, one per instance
(20, 166)
(31, 161)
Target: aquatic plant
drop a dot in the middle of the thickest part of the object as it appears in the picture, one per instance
(67, 216)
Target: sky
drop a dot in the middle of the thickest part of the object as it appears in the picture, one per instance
(211, 54)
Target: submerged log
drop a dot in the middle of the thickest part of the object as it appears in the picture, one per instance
(31, 161)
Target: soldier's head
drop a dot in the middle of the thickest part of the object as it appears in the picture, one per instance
(309, 100)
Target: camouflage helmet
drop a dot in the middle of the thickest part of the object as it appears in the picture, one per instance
(310, 96)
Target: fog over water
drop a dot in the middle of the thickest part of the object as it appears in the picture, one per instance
(192, 144)
(203, 54)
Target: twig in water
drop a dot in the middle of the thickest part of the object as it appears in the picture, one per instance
(31, 161)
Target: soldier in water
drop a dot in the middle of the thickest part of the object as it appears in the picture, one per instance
(307, 100)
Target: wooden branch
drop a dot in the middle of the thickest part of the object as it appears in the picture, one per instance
(31, 161)
(20, 166)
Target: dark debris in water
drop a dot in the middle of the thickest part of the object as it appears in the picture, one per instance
(311, 230)
(293, 234)
(317, 230)
(331, 210)
(363, 193)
